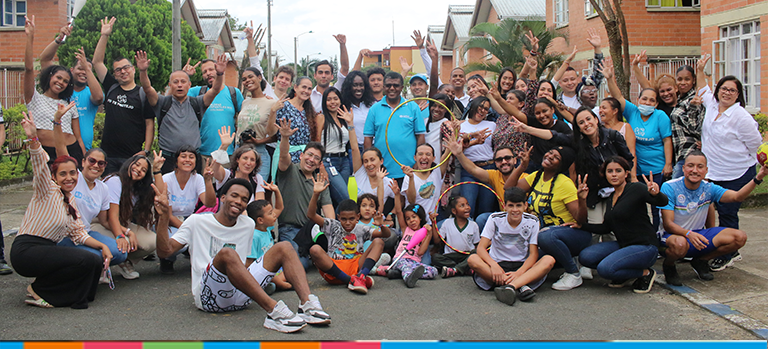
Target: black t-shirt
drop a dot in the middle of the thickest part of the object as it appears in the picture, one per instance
(562, 135)
(665, 108)
(124, 126)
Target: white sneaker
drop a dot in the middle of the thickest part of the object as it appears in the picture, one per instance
(567, 281)
(384, 259)
(127, 271)
(586, 273)
(282, 319)
(312, 312)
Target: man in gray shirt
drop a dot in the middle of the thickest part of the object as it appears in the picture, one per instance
(179, 116)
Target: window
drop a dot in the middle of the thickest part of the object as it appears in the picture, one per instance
(589, 10)
(737, 53)
(561, 12)
(672, 3)
(13, 13)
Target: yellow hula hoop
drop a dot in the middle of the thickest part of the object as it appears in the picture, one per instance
(386, 131)
(437, 206)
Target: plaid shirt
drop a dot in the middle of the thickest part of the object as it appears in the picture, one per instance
(686, 120)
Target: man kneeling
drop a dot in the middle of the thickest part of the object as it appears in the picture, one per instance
(685, 216)
(218, 246)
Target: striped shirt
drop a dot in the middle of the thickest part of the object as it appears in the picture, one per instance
(47, 215)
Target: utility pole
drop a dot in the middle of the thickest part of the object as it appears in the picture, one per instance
(269, 40)
(176, 40)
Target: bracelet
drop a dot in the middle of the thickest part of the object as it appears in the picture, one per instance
(33, 139)
(757, 181)
(533, 53)
(57, 41)
(351, 127)
(120, 236)
(56, 123)
(686, 234)
(219, 74)
(146, 152)
(157, 172)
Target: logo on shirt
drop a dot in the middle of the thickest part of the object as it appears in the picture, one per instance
(122, 99)
(681, 199)
(691, 207)
(639, 132)
(427, 190)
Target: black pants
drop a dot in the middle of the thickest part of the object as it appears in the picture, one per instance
(73, 149)
(113, 165)
(65, 276)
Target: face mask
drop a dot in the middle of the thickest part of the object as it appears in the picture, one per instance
(646, 109)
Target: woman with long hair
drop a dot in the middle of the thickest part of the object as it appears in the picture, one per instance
(476, 132)
(245, 163)
(334, 136)
(611, 117)
(506, 81)
(298, 109)
(57, 85)
(256, 115)
(64, 276)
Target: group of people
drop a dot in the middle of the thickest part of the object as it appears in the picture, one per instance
(255, 189)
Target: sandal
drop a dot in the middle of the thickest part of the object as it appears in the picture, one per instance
(38, 303)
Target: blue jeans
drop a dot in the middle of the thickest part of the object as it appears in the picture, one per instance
(563, 243)
(288, 232)
(614, 263)
(482, 219)
(677, 171)
(655, 214)
(480, 200)
(117, 256)
(338, 183)
(266, 160)
(729, 213)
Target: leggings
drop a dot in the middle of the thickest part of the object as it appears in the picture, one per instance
(406, 267)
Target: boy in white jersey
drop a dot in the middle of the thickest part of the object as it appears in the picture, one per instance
(512, 264)
(685, 216)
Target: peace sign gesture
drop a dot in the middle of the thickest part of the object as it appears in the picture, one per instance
(161, 200)
(208, 170)
(582, 188)
(157, 160)
(653, 188)
(190, 69)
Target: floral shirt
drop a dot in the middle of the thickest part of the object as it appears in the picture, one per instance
(299, 121)
(505, 135)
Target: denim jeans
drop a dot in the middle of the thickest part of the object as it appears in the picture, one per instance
(266, 161)
(480, 199)
(482, 219)
(338, 183)
(614, 263)
(677, 171)
(288, 232)
(563, 243)
(117, 256)
(728, 214)
(655, 214)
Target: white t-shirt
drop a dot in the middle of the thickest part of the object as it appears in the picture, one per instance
(205, 237)
(183, 201)
(427, 190)
(115, 187)
(572, 102)
(334, 146)
(364, 184)
(90, 202)
(433, 136)
(259, 182)
(511, 244)
(464, 240)
(479, 152)
(360, 114)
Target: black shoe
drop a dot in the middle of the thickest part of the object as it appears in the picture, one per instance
(417, 272)
(722, 262)
(4, 268)
(394, 274)
(506, 294)
(701, 267)
(671, 275)
(150, 257)
(617, 283)
(526, 294)
(643, 284)
(166, 267)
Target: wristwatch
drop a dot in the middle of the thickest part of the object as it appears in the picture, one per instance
(757, 181)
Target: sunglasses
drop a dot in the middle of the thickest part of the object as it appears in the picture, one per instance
(503, 158)
(391, 85)
(100, 163)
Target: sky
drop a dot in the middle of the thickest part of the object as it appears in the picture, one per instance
(367, 24)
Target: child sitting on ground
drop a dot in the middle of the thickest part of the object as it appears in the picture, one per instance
(368, 205)
(461, 236)
(409, 265)
(262, 212)
(340, 256)
(512, 265)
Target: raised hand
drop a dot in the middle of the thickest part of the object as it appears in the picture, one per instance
(533, 40)
(594, 38)
(381, 173)
(607, 68)
(80, 56)
(226, 135)
(319, 184)
(142, 62)
(346, 115)
(271, 187)
(285, 128)
(572, 55)
(161, 200)
(653, 188)
(208, 170)
(525, 156)
(365, 52)
(279, 104)
(417, 38)
(431, 49)
(378, 218)
(107, 25)
(29, 126)
(639, 58)
(341, 39)
(395, 188)
(494, 91)
(581, 187)
(62, 109)
(404, 64)
(532, 62)
(157, 160)
(65, 31)
(700, 65)
(29, 26)
(697, 100)
(407, 170)
(190, 69)
(221, 64)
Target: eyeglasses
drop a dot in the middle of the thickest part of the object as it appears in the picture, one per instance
(313, 156)
(503, 158)
(728, 90)
(100, 163)
(125, 67)
(392, 85)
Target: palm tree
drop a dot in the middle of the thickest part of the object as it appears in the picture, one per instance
(505, 41)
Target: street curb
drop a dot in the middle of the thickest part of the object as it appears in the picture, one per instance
(732, 315)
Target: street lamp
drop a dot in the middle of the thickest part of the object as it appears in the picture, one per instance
(295, 54)
(313, 54)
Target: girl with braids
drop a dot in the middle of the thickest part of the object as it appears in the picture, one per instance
(131, 199)
(64, 277)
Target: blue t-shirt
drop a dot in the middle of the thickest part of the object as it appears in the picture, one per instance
(262, 241)
(87, 111)
(220, 113)
(405, 125)
(650, 138)
(690, 206)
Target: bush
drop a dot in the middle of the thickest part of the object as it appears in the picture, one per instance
(762, 122)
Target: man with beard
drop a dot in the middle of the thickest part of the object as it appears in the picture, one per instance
(324, 74)
(504, 159)
(87, 94)
(218, 246)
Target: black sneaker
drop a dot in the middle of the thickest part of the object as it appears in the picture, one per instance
(166, 267)
(417, 272)
(150, 257)
(671, 275)
(394, 274)
(722, 262)
(4, 268)
(526, 294)
(701, 267)
(643, 284)
(506, 294)
(617, 283)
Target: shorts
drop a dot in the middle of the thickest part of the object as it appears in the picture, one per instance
(709, 233)
(218, 295)
(507, 267)
(347, 266)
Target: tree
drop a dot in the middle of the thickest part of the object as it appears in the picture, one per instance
(234, 25)
(144, 25)
(618, 41)
(504, 40)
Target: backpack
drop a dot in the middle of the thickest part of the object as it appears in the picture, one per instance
(167, 106)
(142, 95)
(232, 94)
